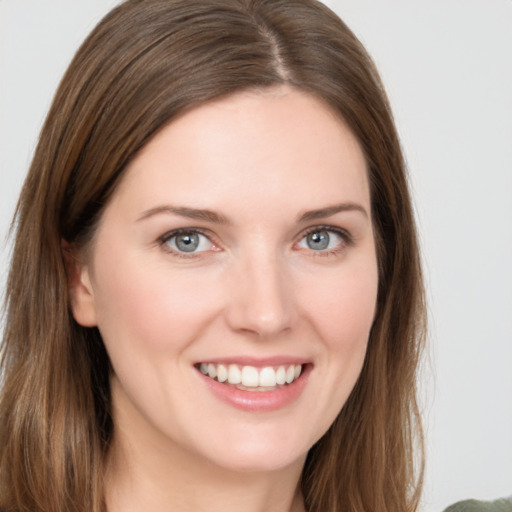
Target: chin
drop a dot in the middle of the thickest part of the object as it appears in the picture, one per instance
(259, 463)
(257, 455)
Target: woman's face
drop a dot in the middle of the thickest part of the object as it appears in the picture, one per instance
(239, 244)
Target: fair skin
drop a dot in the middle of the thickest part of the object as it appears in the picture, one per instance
(274, 266)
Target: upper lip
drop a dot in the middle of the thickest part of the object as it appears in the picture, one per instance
(257, 361)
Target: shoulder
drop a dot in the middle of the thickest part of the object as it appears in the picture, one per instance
(503, 505)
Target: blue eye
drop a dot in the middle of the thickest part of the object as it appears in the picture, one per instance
(188, 242)
(321, 240)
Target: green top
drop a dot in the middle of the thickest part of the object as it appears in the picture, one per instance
(503, 505)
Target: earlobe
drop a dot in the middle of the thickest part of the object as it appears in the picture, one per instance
(80, 290)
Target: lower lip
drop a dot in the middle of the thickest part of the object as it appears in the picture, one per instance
(259, 401)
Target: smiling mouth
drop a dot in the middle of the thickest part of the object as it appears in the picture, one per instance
(250, 378)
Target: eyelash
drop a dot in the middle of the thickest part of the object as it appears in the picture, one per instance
(347, 241)
(346, 237)
(164, 239)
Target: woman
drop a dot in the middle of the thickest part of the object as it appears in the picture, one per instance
(215, 298)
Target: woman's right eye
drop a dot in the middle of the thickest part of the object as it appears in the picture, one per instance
(187, 241)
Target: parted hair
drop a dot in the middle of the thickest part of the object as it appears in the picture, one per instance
(144, 64)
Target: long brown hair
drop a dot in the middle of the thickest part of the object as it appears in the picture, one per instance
(145, 63)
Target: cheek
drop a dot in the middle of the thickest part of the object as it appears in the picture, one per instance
(343, 307)
(340, 307)
(148, 308)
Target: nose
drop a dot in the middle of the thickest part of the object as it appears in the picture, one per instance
(261, 299)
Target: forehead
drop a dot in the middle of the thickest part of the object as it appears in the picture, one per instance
(278, 146)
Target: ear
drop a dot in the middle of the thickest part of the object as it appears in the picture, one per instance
(81, 294)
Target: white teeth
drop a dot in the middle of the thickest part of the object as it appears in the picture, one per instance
(222, 373)
(281, 375)
(212, 371)
(252, 377)
(234, 374)
(290, 374)
(267, 377)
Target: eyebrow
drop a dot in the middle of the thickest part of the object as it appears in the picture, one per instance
(217, 218)
(329, 211)
(189, 213)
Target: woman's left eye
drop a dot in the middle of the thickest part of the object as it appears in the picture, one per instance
(322, 239)
(188, 242)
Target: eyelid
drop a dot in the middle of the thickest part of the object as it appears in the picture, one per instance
(162, 241)
(346, 236)
(180, 231)
(324, 227)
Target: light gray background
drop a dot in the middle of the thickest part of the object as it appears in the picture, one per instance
(447, 65)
